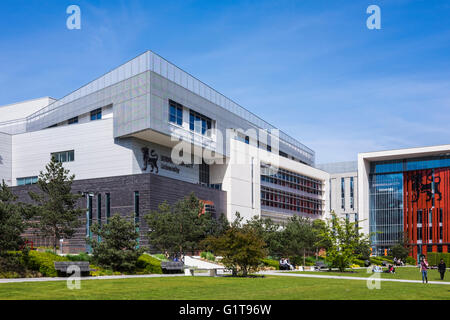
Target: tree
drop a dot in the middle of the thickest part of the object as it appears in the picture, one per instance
(402, 249)
(269, 231)
(14, 219)
(241, 247)
(341, 239)
(57, 212)
(116, 246)
(319, 226)
(180, 228)
(299, 238)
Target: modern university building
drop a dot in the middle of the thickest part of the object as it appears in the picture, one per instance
(396, 195)
(148, 132)
(406, 194)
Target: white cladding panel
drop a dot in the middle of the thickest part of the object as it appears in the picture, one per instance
(166, 168)
(97, 154)
(21, 110)
(242, 178)
(5, 158)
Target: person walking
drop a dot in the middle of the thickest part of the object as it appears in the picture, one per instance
(441, 268)
(424, 269)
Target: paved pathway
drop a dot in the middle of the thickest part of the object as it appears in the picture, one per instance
(271, 273)
(288, 274)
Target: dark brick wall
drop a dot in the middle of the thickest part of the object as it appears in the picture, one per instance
(153, 190)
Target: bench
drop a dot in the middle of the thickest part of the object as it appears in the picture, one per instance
(172, 267)
(62, 267)
(190, 271)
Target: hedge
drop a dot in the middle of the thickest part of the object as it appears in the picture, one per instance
(79, 257)
(44, 262)
(379, 260)
(148, 264)
(271, 263)
(208, 256)
(411, 261)
(435, 257)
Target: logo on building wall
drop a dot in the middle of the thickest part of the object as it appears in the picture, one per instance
(432, 186)
(150, 158)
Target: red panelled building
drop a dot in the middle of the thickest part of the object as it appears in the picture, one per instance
(426, 210)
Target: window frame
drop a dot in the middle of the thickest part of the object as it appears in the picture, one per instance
(69, 156)
(96, 114)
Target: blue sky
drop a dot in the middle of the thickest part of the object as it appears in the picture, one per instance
(311, 68)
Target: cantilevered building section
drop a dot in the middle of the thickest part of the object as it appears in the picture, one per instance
(118, 134)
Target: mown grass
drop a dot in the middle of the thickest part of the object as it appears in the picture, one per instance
(405, 273)
(223, 288)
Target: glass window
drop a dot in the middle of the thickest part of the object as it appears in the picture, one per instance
(27, 181)
(136, 206)
(199, 123)
(419, 233)
(108, 207)
(73, 120)
(65, 156)
(175, 113)
(204, 173)
(99, 209)
(96, 114)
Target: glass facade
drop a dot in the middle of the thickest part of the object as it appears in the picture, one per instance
(289, 192)
(352, 193)
(413, 164)
(388, 206)
(386, 209)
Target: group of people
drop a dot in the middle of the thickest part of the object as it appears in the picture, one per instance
(398, 262)
(390, 269)
(424, 266)
(285, 264)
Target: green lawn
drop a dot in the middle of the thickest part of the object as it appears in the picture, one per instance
(205, 288)
(406, 273)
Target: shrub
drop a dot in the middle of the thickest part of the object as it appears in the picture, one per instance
(44, 262)
(118, 246)
(411, 261)
(160, 256)
(359, 262)
(271, 263)
(79, 257)
(12, 265)
(99, 271)
(434, 258)
(148, 264)
(208, 256)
